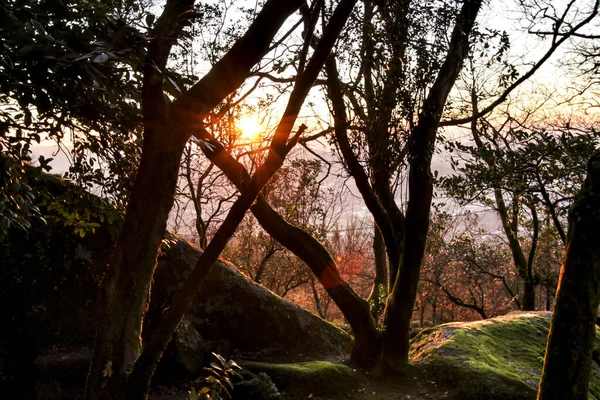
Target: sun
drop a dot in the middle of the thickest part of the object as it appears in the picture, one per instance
(250, 127)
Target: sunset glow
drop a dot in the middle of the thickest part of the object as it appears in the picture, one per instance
(250, 127)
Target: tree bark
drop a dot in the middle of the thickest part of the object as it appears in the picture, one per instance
(380, 283)
(382, 160)
(528, 299)
(126, 283)
(568, 359)
(388, 220)
(398, 312)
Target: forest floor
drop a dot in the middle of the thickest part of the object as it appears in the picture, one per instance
(407, 388)
(390, 389)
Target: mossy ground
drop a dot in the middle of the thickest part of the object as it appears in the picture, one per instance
(316, 377)
(326, 380)
(499, 358)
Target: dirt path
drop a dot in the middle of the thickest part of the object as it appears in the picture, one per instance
(398, 389)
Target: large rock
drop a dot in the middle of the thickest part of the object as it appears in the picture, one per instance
(496, 359)
(232, 315)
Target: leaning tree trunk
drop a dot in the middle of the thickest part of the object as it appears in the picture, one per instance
(568, 357)
(354, 308)
(398, 312)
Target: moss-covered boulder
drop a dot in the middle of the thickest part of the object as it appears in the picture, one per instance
(497, 359)
(320, 378)
(236, 317)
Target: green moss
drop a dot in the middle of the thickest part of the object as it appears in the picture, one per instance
(500, 358)
(317, 377)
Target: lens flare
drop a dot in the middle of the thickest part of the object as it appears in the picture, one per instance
(250, 127)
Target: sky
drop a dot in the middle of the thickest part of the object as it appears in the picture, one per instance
(500, 15)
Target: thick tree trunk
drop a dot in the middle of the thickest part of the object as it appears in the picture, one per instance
(126, 284)
(398, 312)
(569, 351)
(399, 308)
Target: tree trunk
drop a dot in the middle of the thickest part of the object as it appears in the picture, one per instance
(314, 254)
(398, 312)
(569, 351)
(524, 267)
(388, 217)
(380, 284)
(528, 299)
(126, 284)
(311, 251)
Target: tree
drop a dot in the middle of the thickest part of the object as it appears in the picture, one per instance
(509, 164)
(204, 187)
(172, 115)
(526, 176)
(167, 127)
(465, 273)
(568, 358)
(426, 71)
(99, 111)
(295, 193)
(404, 233)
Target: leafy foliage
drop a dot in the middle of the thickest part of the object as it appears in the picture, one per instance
(219, 383)
(17, 199)
(30, 194)
(544, 166)
(69, 68)
(71, 72)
